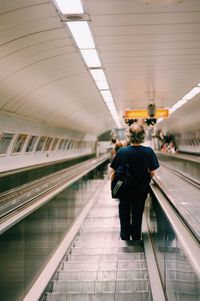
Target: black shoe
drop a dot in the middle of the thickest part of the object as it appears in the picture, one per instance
(136, 237)
(124, 236)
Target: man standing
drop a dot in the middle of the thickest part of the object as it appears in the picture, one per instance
(142, 163)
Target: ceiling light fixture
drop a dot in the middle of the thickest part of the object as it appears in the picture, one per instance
(98, 74)
(91, 58)
(82, 34)
(102, 84)
(185, 99)
(192, 93)
(70, 7)
(111, 106)
(159, 120)
(107, 96)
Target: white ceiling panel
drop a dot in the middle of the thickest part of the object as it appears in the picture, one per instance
(42, 75)
(147, 50)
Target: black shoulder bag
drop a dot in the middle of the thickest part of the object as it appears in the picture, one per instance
(122, 183)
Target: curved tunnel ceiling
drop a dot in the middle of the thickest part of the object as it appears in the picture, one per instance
(147, 50)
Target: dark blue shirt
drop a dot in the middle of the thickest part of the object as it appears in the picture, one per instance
(141, 160)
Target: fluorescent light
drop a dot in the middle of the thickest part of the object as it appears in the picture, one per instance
(117, 121)
(195, 91)
(70, 6)
(107, 95)
(177, 105)
(115, 115)
(188, 96)
(192, 93)
(180, 103)
(84, 40)
(171, 110)
(159, 119)
(91, 58)
(98, 74)
(185, 98)
(102, 84)
(82, 34)
(111, 106)
(113, 111)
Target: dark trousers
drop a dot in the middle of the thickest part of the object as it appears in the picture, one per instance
(130, 214)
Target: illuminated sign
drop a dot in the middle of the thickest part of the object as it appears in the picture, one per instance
(135, 114)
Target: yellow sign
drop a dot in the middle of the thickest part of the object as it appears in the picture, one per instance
(134, 114)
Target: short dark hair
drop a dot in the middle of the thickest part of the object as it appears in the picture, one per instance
(136, 134)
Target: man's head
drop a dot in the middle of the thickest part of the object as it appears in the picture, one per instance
(136, 134)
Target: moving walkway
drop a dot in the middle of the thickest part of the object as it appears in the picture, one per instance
(87, 260)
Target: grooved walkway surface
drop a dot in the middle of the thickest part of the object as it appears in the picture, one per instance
(100, 266)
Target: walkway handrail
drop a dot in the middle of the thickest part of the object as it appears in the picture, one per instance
(187, 237)
(182, 211)
(30, 204)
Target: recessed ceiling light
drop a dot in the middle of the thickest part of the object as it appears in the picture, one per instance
(91, 58)
(70, 6)
(81, 34)
(102, 84)
(98, 74)
(107, 96)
